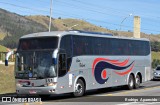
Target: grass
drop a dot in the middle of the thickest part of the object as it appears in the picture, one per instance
(155, 55)
(66, 24)
(2, 35)
(7, 80)
(3, 49)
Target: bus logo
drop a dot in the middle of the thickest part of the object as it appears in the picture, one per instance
(100, 66)
(30, 75)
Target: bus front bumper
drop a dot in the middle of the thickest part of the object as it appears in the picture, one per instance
(35, 90)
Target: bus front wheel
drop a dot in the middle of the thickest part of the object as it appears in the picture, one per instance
(79, 88)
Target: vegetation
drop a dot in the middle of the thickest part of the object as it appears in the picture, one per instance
(7, 80)
(155, 55)
(155, 59)
(155, 63)
(155, 46)
(3, 49)
(14, 26)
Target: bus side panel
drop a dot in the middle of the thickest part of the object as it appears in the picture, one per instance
(85, 66)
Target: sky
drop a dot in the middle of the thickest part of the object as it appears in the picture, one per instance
(105, 13)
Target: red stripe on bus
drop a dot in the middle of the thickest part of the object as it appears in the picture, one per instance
(122, 63)
(126, 72)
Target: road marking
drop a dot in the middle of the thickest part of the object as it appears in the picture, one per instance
(26, 103)
(109, 94)
(139, 103)
(130, 103)
(136, 90)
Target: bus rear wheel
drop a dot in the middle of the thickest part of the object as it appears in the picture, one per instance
(137, 82)
(79, 88)
(131, 82)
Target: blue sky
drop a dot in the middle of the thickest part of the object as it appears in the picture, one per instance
(106, 13)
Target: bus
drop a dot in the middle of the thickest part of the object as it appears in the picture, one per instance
(76, 61)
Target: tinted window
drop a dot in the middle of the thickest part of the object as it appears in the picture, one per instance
(79, 45)
(38, 43)
(66, 44)
(85, 45)
(158, 68)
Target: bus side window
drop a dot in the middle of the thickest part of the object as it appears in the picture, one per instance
(62, 65)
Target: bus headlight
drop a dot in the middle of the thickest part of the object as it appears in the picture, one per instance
(52, 84)
(155, 73)
(18, 85)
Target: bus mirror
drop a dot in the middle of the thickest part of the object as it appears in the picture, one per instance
(6, 62)
(54, 60)
(7, 57)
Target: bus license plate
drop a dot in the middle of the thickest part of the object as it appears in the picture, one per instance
(32, 91)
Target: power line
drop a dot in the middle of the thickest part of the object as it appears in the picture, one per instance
(88, 9)
(100, 21)
(20, 1)
(74, 15)
(113, 9)
(93, 5)
(24, 7)
(93, 10)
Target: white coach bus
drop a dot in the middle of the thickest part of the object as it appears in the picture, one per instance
(75, 61)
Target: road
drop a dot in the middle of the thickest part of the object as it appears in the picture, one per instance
(148, 92)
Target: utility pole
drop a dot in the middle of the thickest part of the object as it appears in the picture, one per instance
(50, 20)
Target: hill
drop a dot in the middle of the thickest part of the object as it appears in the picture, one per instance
(3, 49)
(13, 26)
(66, 24)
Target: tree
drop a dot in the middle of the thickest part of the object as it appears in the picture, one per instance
(155, 46)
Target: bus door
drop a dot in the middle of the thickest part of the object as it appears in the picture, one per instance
(63, 79)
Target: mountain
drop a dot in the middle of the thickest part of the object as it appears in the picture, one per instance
(68, 24)
(13, 26)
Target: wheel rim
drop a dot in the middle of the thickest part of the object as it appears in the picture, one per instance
(137, 81)
(131, 83)
(79, 88)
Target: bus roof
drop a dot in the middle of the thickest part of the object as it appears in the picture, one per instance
(77, 32)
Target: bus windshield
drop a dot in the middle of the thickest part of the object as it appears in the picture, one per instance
(38, 43)
(35, 64)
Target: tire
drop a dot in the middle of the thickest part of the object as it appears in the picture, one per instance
(44, 96)
(153, 79)
(79, 88)
(137, 82)
(131, 82)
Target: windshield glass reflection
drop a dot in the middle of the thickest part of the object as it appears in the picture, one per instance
(35, 64)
